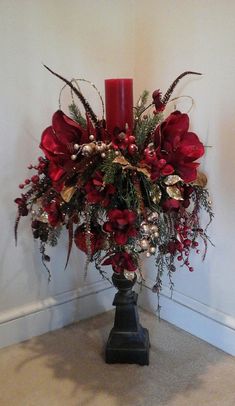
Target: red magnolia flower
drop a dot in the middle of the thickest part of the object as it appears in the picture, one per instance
(121, 224)
(179, 147)
(121, 261)
(57, 143)
(98, 192)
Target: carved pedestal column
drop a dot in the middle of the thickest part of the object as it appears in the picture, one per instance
(128, 341)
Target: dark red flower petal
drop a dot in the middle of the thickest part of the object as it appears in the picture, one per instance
(167, 170)
(120, 238)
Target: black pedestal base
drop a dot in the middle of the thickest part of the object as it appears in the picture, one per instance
(128, 348)
(128, 341)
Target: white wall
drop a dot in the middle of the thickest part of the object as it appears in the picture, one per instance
(89, 39)
(152, 41)
(174, 36)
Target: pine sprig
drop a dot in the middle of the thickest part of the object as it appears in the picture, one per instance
(145, 127)
(76, 115)
(109, 168)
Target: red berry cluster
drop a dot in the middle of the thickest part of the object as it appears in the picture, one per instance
(125, 142)
(35, 178)
(185, 244)
(158, 165)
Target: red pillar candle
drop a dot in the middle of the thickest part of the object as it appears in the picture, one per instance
(119, 103)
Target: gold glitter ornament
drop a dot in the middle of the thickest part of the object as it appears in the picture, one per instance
(172, 180)
(174, 192)
(156, 194)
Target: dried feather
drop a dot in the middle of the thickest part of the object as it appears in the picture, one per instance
(70, 235)
(169, 92)
(80, 96)
(16, 227)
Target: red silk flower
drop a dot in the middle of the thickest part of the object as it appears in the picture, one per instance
(57, 143)
(98, 192)
(121, 261)
(121, 224)
(179, 147)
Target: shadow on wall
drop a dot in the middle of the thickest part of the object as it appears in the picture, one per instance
(68, 366)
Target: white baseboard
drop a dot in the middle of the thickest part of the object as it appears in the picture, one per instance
(209, 324)
(52, 313)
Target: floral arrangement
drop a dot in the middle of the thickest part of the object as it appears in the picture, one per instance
(120, 192)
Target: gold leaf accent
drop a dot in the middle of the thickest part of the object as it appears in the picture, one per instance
(144, 171)
(156, 194)
(174, 192)
(172, 180)
(67, 193)
(121, 160)
(126, 165)
(201, 180)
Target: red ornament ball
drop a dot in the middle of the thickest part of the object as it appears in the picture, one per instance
(96, 238)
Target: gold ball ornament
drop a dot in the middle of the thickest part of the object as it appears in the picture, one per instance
(154, 229)
(152, 250)
(145, 229)
(144, 244)
(87, 150)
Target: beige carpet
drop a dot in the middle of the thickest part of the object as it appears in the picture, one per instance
(66, 367)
